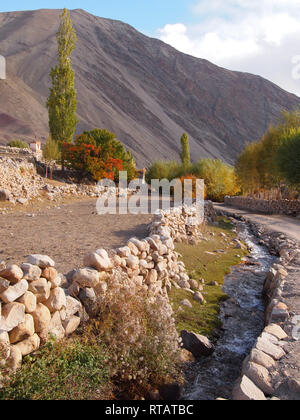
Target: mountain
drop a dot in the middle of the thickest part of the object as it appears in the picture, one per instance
(145, 91)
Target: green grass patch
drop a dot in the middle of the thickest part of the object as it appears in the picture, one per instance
(67, 370)
(206, 261)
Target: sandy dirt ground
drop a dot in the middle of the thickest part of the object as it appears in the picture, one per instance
(290, 226)
(65, 231)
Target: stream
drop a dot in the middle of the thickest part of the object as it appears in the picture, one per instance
(242, 316)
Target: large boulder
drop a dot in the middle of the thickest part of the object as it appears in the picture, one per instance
(197, 344)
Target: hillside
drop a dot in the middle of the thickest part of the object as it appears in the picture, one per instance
(142, 89)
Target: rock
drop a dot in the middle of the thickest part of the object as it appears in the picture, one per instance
(246, 390)
(14, 292)
(4, 285)
(12, 315)
(55, 328)
(133, 249)
(171, 392)
(262, 359)
(193, 284)
(42, 318)
(57, 300)
(30, 302)
(51, 274)
(260, 376)
(12, 273)
(132, 262)
(186, 303)
(31, 272)
(41, 289)
(270, 349)
(23, 330)
(99, 262)
(86, 277)
(71, 325)
(4, 345)
(151, 277)
(41, 261)
(73, 306)
(198, 297)
(276, 331)
(15, 359)
(29, 345)
(198, 345)
(4, 195)
(124, 252)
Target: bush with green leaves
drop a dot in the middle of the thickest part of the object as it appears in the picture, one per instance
(20, 144)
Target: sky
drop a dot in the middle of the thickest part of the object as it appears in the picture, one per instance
(255, 36)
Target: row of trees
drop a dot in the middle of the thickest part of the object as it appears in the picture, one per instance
(98, 152)
(270, 167)
(220, 179)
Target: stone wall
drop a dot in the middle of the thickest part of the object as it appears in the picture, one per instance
(35, 300)
(286, 207)
(271, 371)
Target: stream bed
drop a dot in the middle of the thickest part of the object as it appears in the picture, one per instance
(242, 316)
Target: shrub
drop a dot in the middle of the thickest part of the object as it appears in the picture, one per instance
(163, 170)
(69, 370)
(140, 340)
(20, 144)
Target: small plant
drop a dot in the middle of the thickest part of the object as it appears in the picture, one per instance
(20, 144)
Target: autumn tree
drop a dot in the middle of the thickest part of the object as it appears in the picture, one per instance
(62, 103)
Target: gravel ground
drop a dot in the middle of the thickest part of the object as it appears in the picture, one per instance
(65, 233)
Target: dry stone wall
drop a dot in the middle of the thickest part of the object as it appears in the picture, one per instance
(271, 371)
(286, 207)
(37, 302)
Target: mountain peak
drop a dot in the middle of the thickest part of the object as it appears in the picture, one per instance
(145, 91)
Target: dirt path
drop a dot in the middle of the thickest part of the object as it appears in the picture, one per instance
(65, 233)
(287, 225)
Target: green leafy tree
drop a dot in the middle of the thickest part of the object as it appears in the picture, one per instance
(185, 150)
(51, 153)
(288, 158)
(62, 103)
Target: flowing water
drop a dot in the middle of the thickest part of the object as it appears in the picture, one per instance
(243, 321)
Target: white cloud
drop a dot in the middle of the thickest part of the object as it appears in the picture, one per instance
(258, 36)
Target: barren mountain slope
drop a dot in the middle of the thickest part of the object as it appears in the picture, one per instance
(142, 89)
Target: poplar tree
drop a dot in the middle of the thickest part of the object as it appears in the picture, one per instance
(185, 150)
(62, 103)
